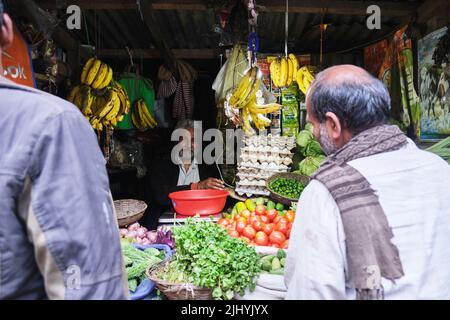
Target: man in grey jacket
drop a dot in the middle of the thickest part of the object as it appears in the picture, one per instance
(58, 232)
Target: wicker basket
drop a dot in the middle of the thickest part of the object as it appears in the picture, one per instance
(129, 211)
(287, 175)
(177, 291)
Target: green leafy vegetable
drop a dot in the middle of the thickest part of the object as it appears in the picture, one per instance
(208, 257)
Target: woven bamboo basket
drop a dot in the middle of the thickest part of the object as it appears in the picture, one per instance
(287, 175)
(177, 291)
(129, 211)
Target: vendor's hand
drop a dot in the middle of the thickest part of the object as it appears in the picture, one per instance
(211, 183)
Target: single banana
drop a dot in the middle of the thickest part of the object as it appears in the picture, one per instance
(283, 72)
(114, 111)
(92, 73)
(251, 93)
(87, 66)
(290, 72)
(276, 72)
(264, 108)
(86, 100)
(242, 87)
(73, 93)
(107, 79)
(78, 99)
(147, 115)
(100, 77)
(300, 81)
(294, 60)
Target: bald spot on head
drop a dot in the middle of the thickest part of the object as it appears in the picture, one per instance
(345, 73)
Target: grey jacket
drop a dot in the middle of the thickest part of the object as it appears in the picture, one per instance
(58, 232)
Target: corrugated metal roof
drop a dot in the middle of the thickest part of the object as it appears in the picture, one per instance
(183, 29)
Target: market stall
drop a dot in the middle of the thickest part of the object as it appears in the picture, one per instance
(134, 70)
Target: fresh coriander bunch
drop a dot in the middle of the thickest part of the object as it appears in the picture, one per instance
(215, 260)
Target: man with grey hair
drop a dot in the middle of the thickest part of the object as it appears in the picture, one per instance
(374, 222)
(179, 172)
(59, 237)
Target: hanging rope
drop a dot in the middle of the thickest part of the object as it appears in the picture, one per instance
(286, 27)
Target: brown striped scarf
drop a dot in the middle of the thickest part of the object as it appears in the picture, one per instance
(370, 252)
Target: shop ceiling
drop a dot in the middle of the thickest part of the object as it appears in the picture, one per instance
(189, 29)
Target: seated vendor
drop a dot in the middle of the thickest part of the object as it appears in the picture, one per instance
(181, 173)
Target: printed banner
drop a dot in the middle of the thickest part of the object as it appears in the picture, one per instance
(17, 65)
(434, 83)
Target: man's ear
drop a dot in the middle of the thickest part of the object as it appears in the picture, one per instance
(7, 34)
(333, 125)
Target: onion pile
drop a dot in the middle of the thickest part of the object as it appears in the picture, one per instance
(138, 234)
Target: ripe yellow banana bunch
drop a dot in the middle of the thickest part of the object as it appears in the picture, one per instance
(141, 117)
(305, 76)
(96, 74)
(103, 109)
(283, 71)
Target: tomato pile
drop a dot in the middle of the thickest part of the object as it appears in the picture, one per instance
(261, 227)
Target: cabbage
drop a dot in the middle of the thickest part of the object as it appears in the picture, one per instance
(313, 149)
(304, 138)
(309, 127)
(310, 165)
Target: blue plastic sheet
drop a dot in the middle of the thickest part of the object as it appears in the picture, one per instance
(145, 288)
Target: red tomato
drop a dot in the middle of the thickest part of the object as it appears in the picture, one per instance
(243, 219)
(274, 245)
(290, 215)
(268, 228)
(277, 237)
(253, 219)
(245, 213)
(249, 232)
(231, 225)
(272, 214)
(280, 219)
(282, 227)
(233, 233)
(258, 225)
(264, 219)
(240, 226)
(222, 222)
(246, 240)
(288, 232)
(261, 239)
(285, 244)
(236, 217)
(260, 210)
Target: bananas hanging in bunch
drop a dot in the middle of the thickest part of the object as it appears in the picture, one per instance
(246, 97)
(96, 74)
(141, 117)
(305, 76)
(102, 108)
(102, 100)
(284, 70)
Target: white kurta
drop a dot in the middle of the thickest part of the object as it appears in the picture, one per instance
(414, 191)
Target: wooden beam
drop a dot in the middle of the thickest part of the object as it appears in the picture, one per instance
(194, 5)
(188, 54)
(388, 8)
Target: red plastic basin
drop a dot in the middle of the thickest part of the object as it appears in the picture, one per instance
(202, 202)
